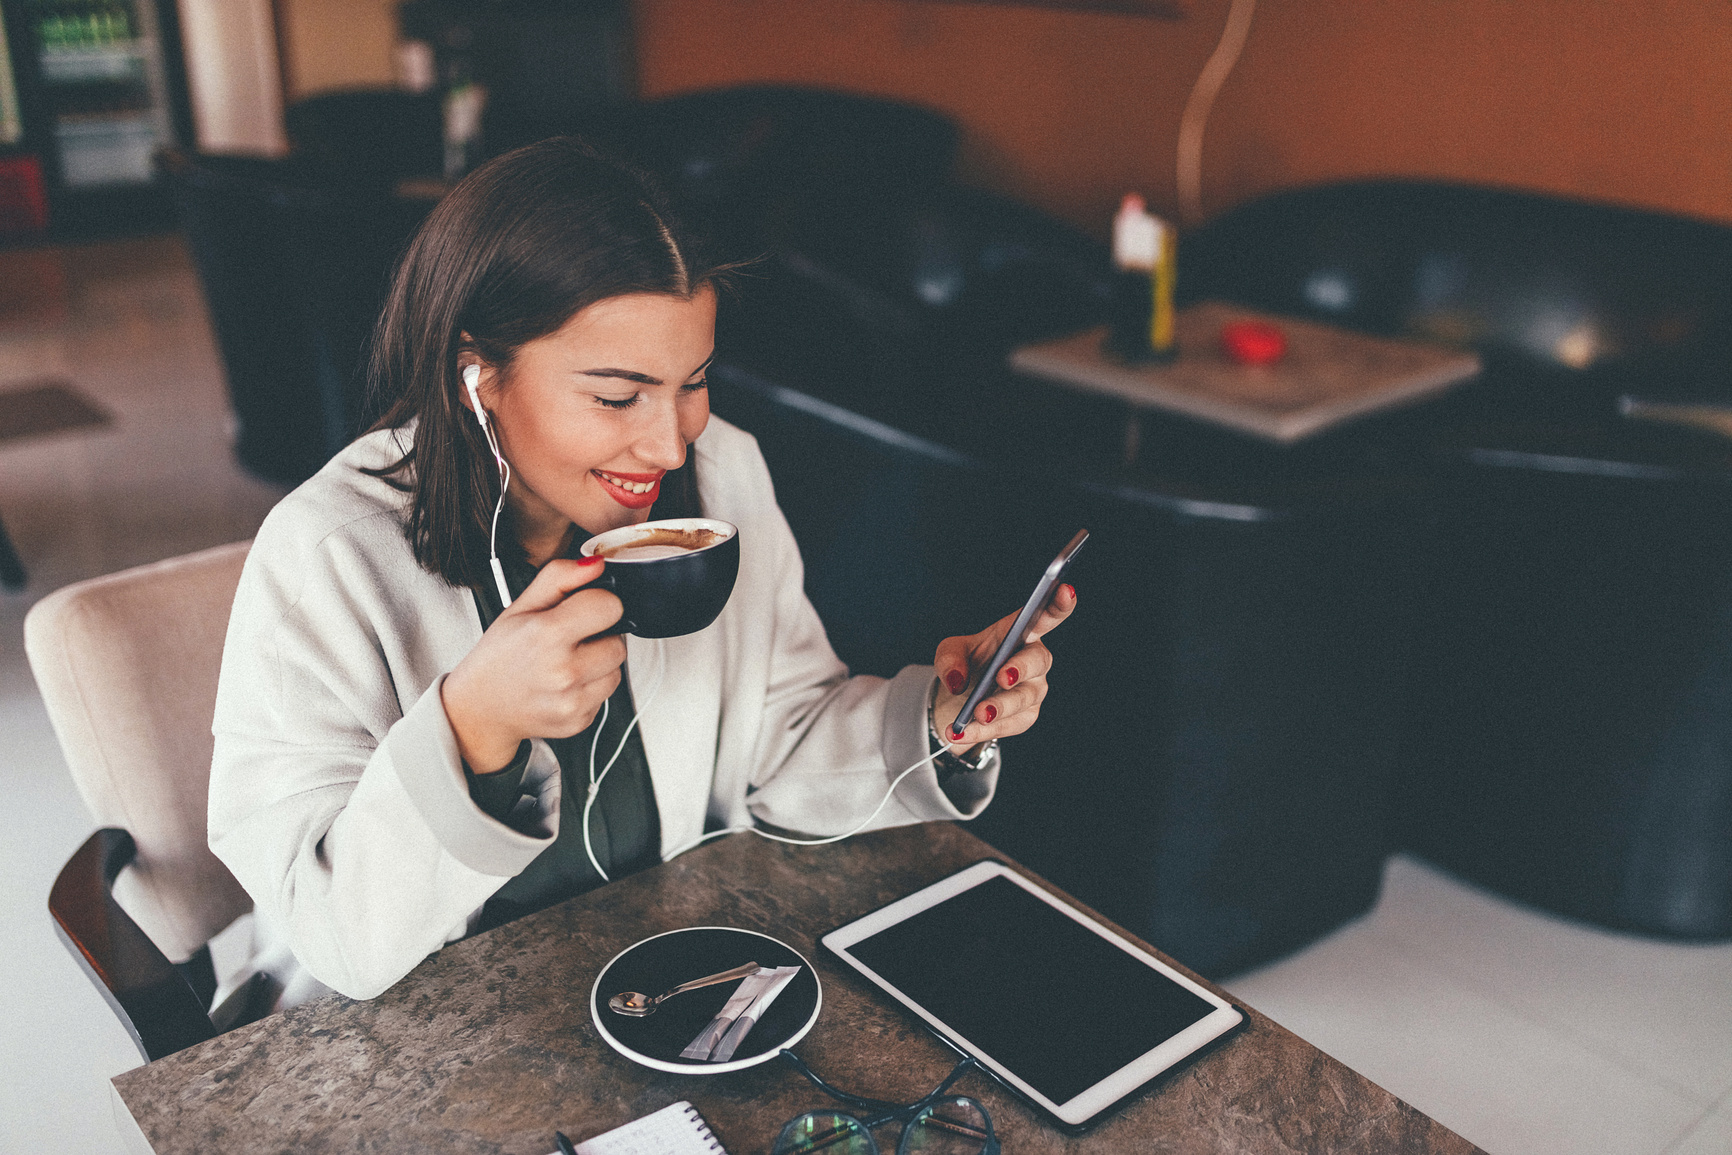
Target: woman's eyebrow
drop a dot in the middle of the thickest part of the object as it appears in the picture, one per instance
(624, 374)
(642, 378)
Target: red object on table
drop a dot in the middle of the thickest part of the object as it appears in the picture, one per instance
(1253, 342)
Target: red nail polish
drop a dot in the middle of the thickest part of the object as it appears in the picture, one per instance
(955, 680)
(1010, 676)
(956, 732)
(589, 559)
(991, 712)
(1071, 590)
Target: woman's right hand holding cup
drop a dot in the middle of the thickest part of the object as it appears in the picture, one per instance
(539, 671)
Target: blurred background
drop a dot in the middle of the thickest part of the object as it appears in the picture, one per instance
(1415, 733)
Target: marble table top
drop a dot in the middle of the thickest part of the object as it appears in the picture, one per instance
(488, 1046)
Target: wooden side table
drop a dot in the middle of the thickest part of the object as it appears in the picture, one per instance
(1327, 376)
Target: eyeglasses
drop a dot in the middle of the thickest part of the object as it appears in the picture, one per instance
(937, 1124)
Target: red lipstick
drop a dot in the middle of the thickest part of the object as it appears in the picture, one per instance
(625, 496)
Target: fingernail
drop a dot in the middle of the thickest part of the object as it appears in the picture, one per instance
(956, 732)
(589, 559)
(1010, 676)
(955, 680)
(1071, 590)
(991, 712)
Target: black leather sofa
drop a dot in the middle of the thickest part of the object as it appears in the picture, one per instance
(1568, 735)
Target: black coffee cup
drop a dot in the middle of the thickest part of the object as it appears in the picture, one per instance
(673, 576)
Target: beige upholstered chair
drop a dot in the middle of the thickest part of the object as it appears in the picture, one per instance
(127, 665)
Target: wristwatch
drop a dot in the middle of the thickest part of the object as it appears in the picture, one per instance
(983, 757)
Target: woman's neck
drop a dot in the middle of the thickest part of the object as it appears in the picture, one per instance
(542, 544)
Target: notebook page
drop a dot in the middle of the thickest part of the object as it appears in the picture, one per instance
(677, 1129)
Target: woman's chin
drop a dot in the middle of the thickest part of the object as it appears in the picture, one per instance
(598, 519)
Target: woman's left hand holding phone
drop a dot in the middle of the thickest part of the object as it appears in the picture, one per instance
(539, 671)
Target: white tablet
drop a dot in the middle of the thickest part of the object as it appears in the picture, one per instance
(1068, 1014)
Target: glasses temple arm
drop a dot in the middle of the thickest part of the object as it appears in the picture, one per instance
(817, 1081)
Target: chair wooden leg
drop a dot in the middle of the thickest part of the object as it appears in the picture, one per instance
(11, 568)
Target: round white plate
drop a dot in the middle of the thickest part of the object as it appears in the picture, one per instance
(667, 960)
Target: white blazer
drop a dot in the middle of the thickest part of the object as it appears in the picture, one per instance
(337, 795)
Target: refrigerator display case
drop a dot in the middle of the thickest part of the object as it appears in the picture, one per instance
(100, 88)
(23, 195)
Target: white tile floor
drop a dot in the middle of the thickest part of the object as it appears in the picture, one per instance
(1521, 1032)
(1524, 1033)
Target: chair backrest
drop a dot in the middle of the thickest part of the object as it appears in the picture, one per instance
(127, 665)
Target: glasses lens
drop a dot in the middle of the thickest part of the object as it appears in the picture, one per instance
(954, 1126)
(830, 1132)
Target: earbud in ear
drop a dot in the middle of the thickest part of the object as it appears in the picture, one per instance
(472, 382)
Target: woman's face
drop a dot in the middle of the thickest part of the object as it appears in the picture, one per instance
(592, 415)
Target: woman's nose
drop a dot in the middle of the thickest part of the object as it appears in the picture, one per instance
(659, 444)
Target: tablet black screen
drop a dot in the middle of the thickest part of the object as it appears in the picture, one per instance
(1057, 1004)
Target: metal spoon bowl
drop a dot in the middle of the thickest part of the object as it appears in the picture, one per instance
(640, 1006)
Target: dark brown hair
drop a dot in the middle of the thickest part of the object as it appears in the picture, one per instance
(509, 255)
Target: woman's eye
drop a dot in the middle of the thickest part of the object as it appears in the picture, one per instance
(619, 402)
(694, 386)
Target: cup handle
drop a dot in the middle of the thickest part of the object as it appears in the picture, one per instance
(625, 625)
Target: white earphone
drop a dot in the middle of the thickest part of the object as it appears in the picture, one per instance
(472, 382)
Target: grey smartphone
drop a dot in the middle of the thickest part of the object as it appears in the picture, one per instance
(1017, 637)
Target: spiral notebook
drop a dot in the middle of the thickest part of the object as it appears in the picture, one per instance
(674, 1130)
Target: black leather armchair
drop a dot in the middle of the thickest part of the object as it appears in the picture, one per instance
(1566, 571)
(294, 265)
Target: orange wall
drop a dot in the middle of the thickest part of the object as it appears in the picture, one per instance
(336, 44)
(1603, 99)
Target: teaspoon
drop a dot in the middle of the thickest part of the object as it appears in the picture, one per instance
(638, 1006)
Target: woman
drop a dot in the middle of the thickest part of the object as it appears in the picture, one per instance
(401, 757)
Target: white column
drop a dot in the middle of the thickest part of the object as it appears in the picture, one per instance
(233, 75)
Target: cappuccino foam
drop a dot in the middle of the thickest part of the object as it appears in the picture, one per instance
(660, 542)
(643, 552)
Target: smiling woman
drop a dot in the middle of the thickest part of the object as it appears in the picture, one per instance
(406, 748)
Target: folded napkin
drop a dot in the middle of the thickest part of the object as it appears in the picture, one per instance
(778, 980)
(748, 990)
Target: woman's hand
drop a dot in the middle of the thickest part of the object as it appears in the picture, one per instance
(539, 671)
(1015, 704)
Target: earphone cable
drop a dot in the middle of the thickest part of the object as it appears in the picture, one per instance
(864, 823)
(595, 780)
(472, 381)
(498, 507)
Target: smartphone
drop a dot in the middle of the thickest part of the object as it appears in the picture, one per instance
(1018, 635)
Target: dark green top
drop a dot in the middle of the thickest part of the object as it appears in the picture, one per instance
(624, 824)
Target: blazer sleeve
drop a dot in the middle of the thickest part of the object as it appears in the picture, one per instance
(338, 801)
(830, 744)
